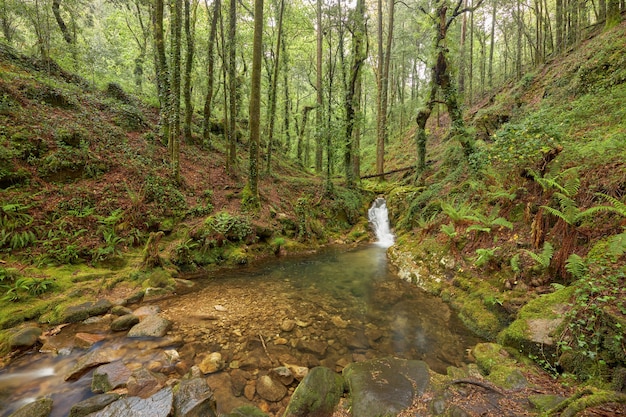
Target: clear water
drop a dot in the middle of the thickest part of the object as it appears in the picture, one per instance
(378, 216)
(346, 299)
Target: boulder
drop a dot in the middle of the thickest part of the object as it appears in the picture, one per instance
(317, 395)
(120, 310)
(145, 311)
(269, 389)
(385, 386)
(158, 405)
(194, 398)
(40, 408)
(124, 322)
(151, 326)
(93, 404)
(25, 338)
(312, 346)
(80, 312)
(109, 377)
(91, 360)
(143, 383)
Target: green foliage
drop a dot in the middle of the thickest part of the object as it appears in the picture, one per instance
(183, 252)
(168, 199)
(519, 145)
(229, 227)
(575, 265)
(542, 259)
(459, 214)
(16, 287)
(346, 204)
(449, 230)
(485, 256)
(15, 230)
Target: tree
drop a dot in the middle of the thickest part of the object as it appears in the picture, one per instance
(190, 23)
(384, 58)
(359, 55)
(231, 161)
(318, 88)
(173, 144)
(255, 103)
(163, 85)
(613, 15)
(208, 101)
(56, 10)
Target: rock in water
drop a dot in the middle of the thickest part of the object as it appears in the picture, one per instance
(159, 405)
(40, 408)
(24, 338)
(194, 398)
(151, 326)
(109, 377)
(385, 386)
(124, 322)
(317, 395)
(246, 411)
(269, 389)
(93, 404)
(80, 312)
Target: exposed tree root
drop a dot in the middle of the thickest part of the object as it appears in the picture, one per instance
(594, 400)
(481, 384)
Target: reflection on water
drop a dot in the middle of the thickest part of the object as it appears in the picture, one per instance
(348, 302)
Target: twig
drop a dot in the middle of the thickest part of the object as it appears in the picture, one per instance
(265, 348)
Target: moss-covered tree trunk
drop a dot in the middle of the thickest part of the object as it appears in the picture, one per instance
(163, 85)
(255, 102)
(208, 101)
(173, 144)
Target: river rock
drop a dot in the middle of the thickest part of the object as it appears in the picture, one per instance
(93, 404)
(211, 363)
(91, 360)
(194, 398)
(145, 311)
(120, 310)
(317, 395)
(109, 377)
(283, 374)
(220, 384)
(299, 372)
(339, 322)
(80, 312)
(151, 326)
(269, 389)
(124, 322)
(40, 408)
(143, 383)
(25, 338)
(312, 346)
(287, 325)
(158, 405)
(385, 386)
(246, 411)
(87, 340)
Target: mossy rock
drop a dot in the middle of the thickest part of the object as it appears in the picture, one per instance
(80, 312)
(246, 411)
(317, 395)
(498, 366)
(40, 408)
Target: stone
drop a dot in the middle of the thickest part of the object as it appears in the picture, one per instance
(25, 338)
(221, 383)
(80, 312)
(91, 360)
(145, 311)
(283, 374)
(385, 386)
(151, 326)
(124, 322)
(339, 322)
(109, 377)
(287, 325)
(279, 341)
(544, 402)
(87, 340)
(211, 363)
(317, 395)
(143, 383)
(312, 346)
(220, 308)
(93, 404)
(269, 389)
(154, 293)
(247, 411)
(299, 372)
(158, 405)
(194, 398)
(249, 391)
(40, 408)
(120, 310)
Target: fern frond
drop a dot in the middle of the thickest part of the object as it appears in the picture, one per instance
(617, 245)
(501, 221)
(514, 262)
(576, 266)
(618, 206)
(543, 259)
(559, 214)
(479, 228)
(448, 229)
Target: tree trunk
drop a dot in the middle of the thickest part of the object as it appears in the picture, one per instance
(174, 138)
(163, 85)
(359, 54)
(189, 37)
(273, 88)
(493, 42)
(300, 145)
(231, 161)
(56, 10)
(287, 99)
(255, 103)
(384, 57)
(613, 15)
(208, 101)
(318, 87)
(559, 26)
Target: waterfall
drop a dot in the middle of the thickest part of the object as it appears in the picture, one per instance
(379, 218)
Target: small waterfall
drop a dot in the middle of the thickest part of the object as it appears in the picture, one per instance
(379, 218)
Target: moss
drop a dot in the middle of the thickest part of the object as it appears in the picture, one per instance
(499, 366)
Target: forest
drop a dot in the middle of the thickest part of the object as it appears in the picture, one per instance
(143, 142)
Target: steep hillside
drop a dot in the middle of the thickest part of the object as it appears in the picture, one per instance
(539, 209)
(84, 183)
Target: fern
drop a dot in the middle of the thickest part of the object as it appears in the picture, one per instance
(576, 266)
(449, 230)
(617, 245)
(459, 214)
(479, 228)
(484, 256)
(514, 262)
(501, 221)
(618, 207)
(542, 259)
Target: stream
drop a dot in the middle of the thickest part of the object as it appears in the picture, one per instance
(332, 308)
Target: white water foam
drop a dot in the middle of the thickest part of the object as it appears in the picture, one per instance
(378, 216)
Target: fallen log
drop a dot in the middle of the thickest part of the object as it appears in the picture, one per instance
(395, 171)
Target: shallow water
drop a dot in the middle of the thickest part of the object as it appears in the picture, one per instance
(345, 303)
